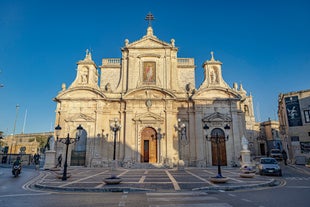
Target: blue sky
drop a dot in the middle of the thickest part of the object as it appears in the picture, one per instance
(262, 44)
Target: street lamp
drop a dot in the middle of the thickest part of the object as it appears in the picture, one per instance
(67, 141)
(218, 138)
(115, 127)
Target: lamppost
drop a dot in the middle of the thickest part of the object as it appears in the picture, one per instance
(218, 138)
(181, 128)
(67, 141)
(115, 127)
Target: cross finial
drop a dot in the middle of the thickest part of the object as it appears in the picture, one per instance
(149, 17)
(212, 55)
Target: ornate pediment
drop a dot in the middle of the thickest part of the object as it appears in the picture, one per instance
(217, 117)
(148, 93)
(81, 92)
(148, 117)
(216, 93)
(148, 43)
(80, 118)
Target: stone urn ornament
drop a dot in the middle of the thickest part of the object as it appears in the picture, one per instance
(247, 171)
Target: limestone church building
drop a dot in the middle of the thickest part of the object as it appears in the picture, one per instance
(148, 97)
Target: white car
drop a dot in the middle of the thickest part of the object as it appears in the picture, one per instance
(269, 166)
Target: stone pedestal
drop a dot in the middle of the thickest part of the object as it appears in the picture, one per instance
(181, 165)
(50, 160)
(245, 157)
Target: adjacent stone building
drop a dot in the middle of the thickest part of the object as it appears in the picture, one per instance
(294, 119)
(150, 93)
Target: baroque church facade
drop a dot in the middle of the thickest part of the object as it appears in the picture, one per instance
(163, 119)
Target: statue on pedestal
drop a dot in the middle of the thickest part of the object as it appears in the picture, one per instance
(245, 143)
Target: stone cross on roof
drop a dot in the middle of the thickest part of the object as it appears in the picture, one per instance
(149, 17)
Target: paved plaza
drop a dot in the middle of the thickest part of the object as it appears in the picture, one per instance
(158, 180)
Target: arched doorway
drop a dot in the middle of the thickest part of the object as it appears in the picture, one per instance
(218, 134)
(78, 153)
(148, 145)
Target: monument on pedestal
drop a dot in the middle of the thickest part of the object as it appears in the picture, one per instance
(245, 152)
(50, 154)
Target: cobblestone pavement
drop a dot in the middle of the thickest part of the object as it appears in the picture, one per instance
(158, 180)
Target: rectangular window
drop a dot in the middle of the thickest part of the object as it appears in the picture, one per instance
(295, 138)
(305, 147)
(307, 116)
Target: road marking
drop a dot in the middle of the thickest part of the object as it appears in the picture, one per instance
(123, 200)
(194, 205)
(182, 199)
(301, 187)
(174, 182)
(26, 194)
(27, 185)
(232, 195)
(246, 200)
(178, 194)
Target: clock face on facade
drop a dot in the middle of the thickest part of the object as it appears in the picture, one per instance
(148, 103)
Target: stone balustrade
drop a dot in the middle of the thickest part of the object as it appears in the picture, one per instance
(185, 61)
(111, 61)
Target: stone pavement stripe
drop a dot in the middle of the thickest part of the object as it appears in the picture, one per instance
(174, 182)
(209, 172)
(146, 172)
(234, 173)
(123, 173)
(237, 180)
(142, 179)
(100, 185)
(76, 181)
(200, 178)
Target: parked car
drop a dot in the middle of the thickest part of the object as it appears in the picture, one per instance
(276, 153)
(269, 166)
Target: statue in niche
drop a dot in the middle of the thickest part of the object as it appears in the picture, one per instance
(84, 76)
(212, 76)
